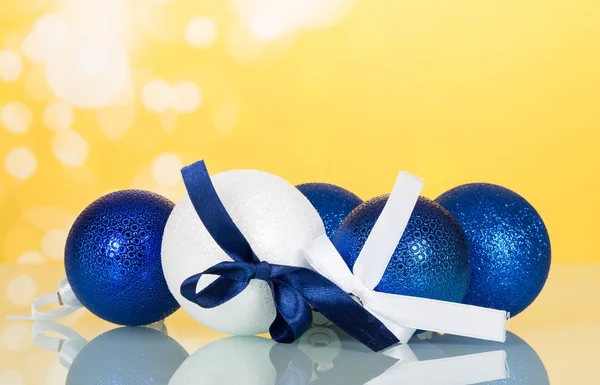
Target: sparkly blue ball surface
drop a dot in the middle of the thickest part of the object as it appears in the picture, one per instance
(333, 203)
(112, 258)
(508, 244)
(127, 355)
(430, 260)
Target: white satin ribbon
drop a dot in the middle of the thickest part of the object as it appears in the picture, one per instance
(64, 299)
(402, 315)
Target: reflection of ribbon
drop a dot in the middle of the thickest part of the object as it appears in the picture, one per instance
(400, 314)
(293, 367)
(353, 364)
(293, 288)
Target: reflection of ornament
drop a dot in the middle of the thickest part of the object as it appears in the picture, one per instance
(508, 244)
(112, 261)
(126, 355)
(332, 202)
(273, 216)
(431, 259)
(233, 360)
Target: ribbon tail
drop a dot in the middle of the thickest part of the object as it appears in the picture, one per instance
(294, 315)
(440, 316)
(468, 369)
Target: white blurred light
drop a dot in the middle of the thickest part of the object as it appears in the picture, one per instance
(16, 117)
(58, 116)
(53, 243)
(166, 169)
(269, 19)
(268, 24)
(21, 290)
(11, 66)
(49, 33)
(89, 74)
(70, 148)
(20, 163)
(31, 258)
(186, 97)
(11, 377)
(201, 32)
(157, 95)
(92, 60)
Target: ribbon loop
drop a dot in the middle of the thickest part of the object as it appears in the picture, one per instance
(294, 289)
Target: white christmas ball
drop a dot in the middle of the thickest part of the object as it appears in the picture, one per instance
(273, 216)
(233, 360)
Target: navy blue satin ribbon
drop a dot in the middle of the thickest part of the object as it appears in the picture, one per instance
(294, 288)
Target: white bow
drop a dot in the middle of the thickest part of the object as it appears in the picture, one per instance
(402, 315)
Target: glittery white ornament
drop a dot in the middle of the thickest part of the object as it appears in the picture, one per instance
(233, 360)
(273, 216)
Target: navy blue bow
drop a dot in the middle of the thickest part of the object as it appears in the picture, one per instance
(294, 288)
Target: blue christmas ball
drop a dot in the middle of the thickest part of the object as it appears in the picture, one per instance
(508, 245)
(127, 355)
(112, 258)
(430, 260)
(333, 203)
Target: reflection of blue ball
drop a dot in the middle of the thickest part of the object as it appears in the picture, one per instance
(127, 355)
(333, 203)
(430, 260)
(508, 245)
(112, 258)
(524, 365)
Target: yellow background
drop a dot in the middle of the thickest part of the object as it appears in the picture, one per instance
(458, 91)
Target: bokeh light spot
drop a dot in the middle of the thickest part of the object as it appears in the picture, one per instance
(53, 244)
(88, 74)
(11, 66)
(157, 95)
(20, 163)
(49, 32)
(186, 97)
(201, 32)
(21, 290)
(166, 169)
(58, 116)
(31, 257)
(16, 117)
(16, 336)
(11, 377)
(70, 148)
(268, 24)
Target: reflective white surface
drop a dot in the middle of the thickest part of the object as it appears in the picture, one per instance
(552, 342)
